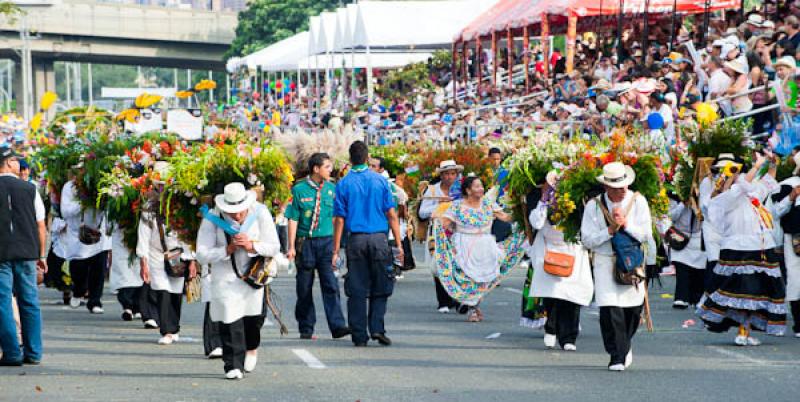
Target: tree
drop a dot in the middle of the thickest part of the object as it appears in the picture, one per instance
(265, 22)
(9, 10)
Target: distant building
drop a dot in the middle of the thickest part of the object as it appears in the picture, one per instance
(215, 5)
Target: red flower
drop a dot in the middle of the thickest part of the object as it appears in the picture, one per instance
(165, 148)
(756, 203)
(147, 146)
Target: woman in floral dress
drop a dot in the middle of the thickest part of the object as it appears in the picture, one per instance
(469, 262)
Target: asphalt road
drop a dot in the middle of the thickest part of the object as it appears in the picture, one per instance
(435, 357)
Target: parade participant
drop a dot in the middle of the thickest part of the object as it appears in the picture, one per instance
(564, 292)
(747, 289)
(501, 230)
(471, 263)
(123, 278)
(434, 195)
(56, 277)
(310, 218)
(616, 210)
(364, 208)
(710, 229)
(790, 224)
(400, 197)
(23, 235)
(687, 256)
(157, 248)
(86, 247)
(237, 306)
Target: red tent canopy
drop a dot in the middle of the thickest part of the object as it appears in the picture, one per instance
(518, 13)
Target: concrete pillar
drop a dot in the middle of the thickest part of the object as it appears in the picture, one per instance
(16, 87)
(44, 79)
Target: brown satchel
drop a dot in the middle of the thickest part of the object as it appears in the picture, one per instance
(558, 264)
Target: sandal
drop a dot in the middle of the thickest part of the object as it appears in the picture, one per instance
(473, 316)
(480, 314)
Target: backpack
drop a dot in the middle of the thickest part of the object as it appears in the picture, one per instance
(629, 262)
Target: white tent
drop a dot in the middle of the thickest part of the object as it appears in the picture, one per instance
(413, 24)
(359, 60)
(285, 54)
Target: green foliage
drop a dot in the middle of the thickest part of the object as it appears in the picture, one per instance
(726, 136)
(265, 22)
(578, 184)
(404, 81)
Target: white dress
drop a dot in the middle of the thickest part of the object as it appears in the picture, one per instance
(476, 250)
(232, 298)
(576, 288)
(124, 272)
(149, 247)
(595, 237)
(711, 237)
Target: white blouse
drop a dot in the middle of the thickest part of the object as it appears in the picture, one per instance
(594, 229)
(75, 217)
(736, 218)
(148, 247)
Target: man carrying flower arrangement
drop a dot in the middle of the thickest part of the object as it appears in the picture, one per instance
(614, 214)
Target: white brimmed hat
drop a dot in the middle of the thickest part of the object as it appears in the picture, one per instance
(617, 175)
(723, 160)
(755, 19)
(737, 65)
(235, 198)
(449, 165)
(786, 61)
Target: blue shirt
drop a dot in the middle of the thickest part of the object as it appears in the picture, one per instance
(362, 199)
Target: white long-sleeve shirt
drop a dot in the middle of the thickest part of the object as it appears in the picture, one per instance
(428, 206)
(740, 226)
(74, 217)
(594, 229)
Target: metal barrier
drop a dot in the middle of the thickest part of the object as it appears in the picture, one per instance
(462, 133)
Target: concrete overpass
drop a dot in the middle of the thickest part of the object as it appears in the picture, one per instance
(106, 33)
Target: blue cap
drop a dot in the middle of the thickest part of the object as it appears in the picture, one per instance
(684, 60)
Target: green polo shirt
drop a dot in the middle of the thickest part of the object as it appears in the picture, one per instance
(301, 210)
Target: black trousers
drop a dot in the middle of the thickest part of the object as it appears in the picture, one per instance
(88, 277)
(148, 304)
(237, 338)
(795, 306)
(442, 296)
(211, 333)
(563, 319)
(169, 311)
(689, 283)
(618, 326)
(54, 278)
(129, 298)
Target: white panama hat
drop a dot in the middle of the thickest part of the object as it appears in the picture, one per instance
(234, 199)
(617, 175)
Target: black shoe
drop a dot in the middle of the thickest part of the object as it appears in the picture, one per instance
(341, 332)
(31, 362)
(463, 309)
(127, 316)
(382, 339)
(9, 363)
(306, 336)
(360, 344)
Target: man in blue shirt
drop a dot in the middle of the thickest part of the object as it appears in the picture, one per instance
(364, 206)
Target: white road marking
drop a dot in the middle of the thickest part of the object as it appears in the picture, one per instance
(513, 290)
(494, 335)
(739, 356)
(308, 359)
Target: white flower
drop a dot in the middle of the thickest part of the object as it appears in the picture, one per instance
(193, 201)
(188, 193)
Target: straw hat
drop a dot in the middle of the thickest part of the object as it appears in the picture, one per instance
(786, 61)
(723, 160)
(737, 65)
(235, 198)
(617, 175)
(755, 20)
(448, 165)
(602, 84)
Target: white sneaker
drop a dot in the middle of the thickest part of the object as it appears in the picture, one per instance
(137, 316)
(151, 324)
(97, 310)
(168, 339)
(740, 340)
(215, 354)
(680, 304)
(234, 375)
(629, 358)
(444, 310)
(250, 362)
(549, 341)
(616, 367)
(74, 302)
(570, 347)
(797, 334)
(753, 341)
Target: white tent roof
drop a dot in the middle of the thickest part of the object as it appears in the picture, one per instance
(317, 39)
(413, 24)
(377, 60)
(342, 29)
(329, 20)
(278, 56)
